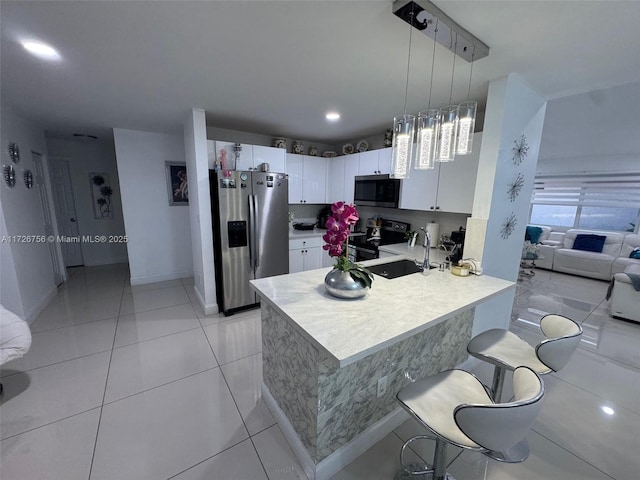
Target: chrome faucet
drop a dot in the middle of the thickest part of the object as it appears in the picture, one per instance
(427, 246)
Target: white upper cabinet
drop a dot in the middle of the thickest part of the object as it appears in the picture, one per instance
(449, 187)
(375, 162)
(342, 172)
(384, 160)
(245, 160)
(275, 157)
(307, 178)
(368, 164)
(351, 165)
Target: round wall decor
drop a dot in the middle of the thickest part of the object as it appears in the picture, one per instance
(14, 152)
(28, 179)
(9, 175)
(508, 226)
(520, 149)
(515, 187)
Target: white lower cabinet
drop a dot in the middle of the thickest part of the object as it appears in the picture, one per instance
(305, 254)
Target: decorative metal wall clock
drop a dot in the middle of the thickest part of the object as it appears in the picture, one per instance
(520, 149)
(9, 175)
(508, 226)
(14, 152)
(515, 187)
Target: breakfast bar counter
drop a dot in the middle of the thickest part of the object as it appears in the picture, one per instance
(331, 367)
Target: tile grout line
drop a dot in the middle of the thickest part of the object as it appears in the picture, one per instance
(250, 438)
(106, 383)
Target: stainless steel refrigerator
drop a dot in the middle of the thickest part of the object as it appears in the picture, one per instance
(250, 230)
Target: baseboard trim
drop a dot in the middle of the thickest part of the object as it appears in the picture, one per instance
(159, 278)
(37, 309)
(211, 309)
(342, 457)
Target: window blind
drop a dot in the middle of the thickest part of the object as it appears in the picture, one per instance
(601, 190)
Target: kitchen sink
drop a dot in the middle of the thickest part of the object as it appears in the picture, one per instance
(396, 269)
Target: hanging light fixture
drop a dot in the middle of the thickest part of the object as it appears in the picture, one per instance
(448, 124)
(467, 120)
(428, 125)
(403, 128)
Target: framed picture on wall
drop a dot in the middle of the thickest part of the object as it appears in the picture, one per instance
(177, 183)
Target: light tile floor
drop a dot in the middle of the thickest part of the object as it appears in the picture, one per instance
(135, 382)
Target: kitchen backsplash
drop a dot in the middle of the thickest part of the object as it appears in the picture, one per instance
(448, 221)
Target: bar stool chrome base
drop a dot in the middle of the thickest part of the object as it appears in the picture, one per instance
(516, 454)
(425, 471)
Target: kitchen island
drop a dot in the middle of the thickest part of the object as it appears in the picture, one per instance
(331, 367)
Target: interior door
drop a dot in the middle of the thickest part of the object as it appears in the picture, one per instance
(58, 275)
(66, 212)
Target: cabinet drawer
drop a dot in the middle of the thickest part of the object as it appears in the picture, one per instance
(309, 242)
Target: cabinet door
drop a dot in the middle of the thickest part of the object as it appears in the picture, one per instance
(314, 181)
(312, 258)
(327, 260)
(368, 164)
(275, 157)
(245, 160)
(336, 180)
(294, 168)
(420, 190)
(351, 166)
(384, 160)
(296, 261)
(457, 182)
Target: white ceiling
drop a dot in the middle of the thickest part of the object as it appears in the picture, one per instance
(277, 67)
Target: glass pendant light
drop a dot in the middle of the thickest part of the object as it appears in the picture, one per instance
(428, 130)
(401, 152)
(467, 122)
(466, 125)
(448, 133)
(403, 128)
(428, 126)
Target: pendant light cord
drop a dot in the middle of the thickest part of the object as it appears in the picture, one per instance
(453, 70)
(406, 88)
(433, 62)
(473, 52)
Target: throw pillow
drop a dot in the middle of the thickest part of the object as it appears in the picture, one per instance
(533, 234)
(589, 242)
(635, 253)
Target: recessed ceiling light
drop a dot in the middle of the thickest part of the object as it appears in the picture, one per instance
(332, 116)
(607, 410)
(41, 50)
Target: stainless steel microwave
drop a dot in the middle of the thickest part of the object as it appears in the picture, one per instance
(377, 191)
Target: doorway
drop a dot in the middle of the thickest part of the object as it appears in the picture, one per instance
(65, 208)
(58, 275)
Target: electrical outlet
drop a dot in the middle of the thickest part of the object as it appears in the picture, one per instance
(382, 386)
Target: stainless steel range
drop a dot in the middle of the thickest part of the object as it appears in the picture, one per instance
(388, 232)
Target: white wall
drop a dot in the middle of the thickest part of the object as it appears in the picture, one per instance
(595, 131)
(84, 157)
(27, 272)
(159, 246)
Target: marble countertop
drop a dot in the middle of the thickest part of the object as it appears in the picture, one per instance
(350, 330)
(316, 232)
(436, 255)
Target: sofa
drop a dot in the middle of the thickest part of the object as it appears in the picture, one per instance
(557, 253)
(625, 299)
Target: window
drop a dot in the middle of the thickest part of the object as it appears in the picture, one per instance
(589, 201)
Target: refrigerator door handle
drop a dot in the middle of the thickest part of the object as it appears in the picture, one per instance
(252, 232)
(256, 242)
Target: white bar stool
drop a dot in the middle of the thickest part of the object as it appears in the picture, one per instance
(507, 351)
(455, 406)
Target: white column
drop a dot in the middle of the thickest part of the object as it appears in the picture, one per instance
(195, 145)
(513, 110)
